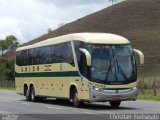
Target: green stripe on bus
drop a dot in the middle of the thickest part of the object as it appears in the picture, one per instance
(49, 74)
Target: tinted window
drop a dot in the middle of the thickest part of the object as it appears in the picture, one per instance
(59, 53)
(22, 57)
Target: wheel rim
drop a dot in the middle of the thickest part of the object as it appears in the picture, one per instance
(76, 100)
(26, 94)
(32, 95)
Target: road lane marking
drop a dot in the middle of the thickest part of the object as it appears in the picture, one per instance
(50, 107)
(105, 112)
(100, 115)
(25, 103)
(88, 113)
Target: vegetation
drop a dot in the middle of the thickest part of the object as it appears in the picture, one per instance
(6, 69)
(9, 43)
(8, 88)
(149, 88)
(7, 64)
(148, 97)
(113, 1)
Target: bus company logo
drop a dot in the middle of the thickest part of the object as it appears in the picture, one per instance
(47, 68)
(28, 69)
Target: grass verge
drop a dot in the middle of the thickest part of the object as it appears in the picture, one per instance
(7, 88)
(148, 97)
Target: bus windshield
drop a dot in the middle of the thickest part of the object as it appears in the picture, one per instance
(113, 64)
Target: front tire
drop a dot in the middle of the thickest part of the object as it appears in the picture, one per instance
(115, 104)
(76, 101)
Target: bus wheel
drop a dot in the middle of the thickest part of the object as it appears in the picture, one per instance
(115, 104)
(28, 95)
(76, 101)
(33, 97)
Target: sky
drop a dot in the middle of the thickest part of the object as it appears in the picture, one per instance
(29, 19)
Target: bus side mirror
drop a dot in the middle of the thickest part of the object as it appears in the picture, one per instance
(88, 56)
(141, 56)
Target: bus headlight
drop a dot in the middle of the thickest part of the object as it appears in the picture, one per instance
(134, 88)
(97, 89)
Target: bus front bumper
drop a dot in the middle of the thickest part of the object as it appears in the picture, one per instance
(112, 95)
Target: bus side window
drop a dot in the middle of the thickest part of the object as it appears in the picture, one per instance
(31, 56)
(69, 54)
(21, 58)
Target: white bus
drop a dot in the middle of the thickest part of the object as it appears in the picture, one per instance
(80, 67)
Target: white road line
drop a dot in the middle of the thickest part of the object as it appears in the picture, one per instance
(100, 114)
(88, 113)
(105, 112)
(53, 107)
(25, 103)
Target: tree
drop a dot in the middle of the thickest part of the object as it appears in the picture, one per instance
(12, 42)
(113, 1)
(9, 43)
(6, 68)
(3, 46)
(49, 30)
(60, 28)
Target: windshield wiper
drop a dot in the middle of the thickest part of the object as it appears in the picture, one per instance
(120, 70)
(106, 78)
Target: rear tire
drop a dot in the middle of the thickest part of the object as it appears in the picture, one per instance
(115, 104)
(32, 92)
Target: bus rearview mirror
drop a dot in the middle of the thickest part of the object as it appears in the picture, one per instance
(141, 56)
(88, 56)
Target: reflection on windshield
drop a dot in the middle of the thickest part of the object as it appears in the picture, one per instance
(112, 63)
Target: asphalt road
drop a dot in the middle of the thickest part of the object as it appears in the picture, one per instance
(14, 104)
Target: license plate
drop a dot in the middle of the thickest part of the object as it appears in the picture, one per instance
(117, 97)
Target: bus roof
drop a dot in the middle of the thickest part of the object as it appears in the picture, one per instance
(100, 38)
